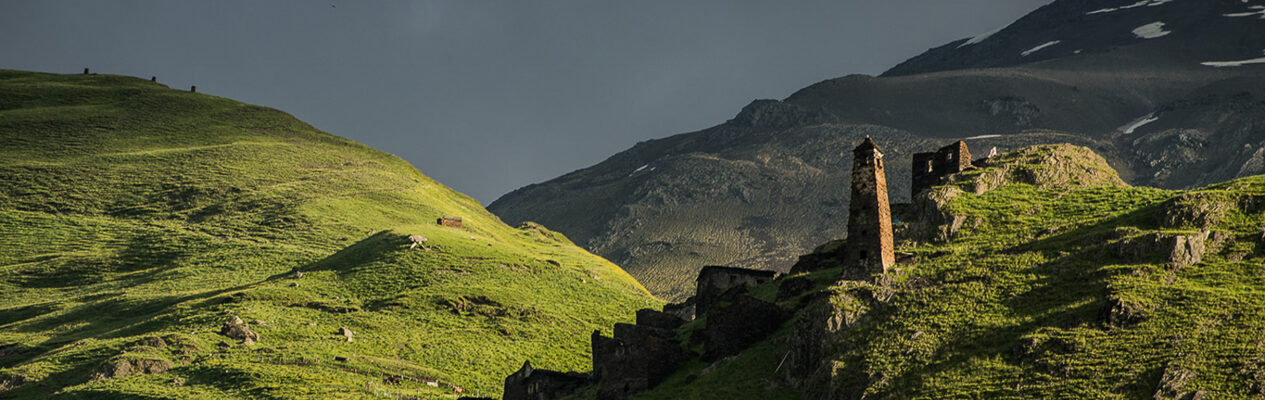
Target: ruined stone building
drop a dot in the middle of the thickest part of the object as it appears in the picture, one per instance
(870, 249)
(539, 384)
(638, 357)
(714, 280)
(451, 222)
(930, 168)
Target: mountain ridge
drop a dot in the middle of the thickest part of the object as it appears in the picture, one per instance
(1157, 114)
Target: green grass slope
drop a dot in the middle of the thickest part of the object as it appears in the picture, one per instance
(136, 219)
(1052, 289)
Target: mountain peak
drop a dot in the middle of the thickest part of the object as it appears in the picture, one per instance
(1142, 32)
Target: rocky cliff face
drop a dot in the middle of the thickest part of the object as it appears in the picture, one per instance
(1175, 105)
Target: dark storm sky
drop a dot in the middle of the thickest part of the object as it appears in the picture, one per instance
(490, 96)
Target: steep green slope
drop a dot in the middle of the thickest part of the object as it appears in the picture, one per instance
(1062, 282)
(137, 219)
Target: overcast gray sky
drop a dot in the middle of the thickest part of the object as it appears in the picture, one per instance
(490, 96)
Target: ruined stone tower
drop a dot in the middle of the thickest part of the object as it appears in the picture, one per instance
(869, 248)
(930, 168)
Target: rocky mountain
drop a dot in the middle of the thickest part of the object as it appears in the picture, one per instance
(1169, 91)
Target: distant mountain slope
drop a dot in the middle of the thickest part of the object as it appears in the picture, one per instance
(137, 219)
(767, 185)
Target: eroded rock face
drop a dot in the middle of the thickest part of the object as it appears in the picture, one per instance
(1021, 111)
(1120, 312)
(934, 220)
(1187, 210)
(1178, 250)
(818, 328)
(121, 366)
(1173, 384)
(777, 114)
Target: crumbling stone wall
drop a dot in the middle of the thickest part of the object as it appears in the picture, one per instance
(714, 281)
(637, 358)
(734, 326)
(930, 168)
(539, 384)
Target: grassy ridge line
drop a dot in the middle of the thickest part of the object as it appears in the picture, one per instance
(133, 211)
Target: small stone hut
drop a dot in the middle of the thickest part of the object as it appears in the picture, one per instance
(451, 222)
(714, 280)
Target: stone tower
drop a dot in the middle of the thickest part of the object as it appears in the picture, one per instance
(869, 248)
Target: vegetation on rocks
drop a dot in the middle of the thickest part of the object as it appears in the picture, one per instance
(151, 234)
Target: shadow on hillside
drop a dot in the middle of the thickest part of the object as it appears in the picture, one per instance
(114, 317)
(147, 252)
(367, 251)
(1073, 274)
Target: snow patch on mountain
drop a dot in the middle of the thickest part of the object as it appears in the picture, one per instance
(1038, 48)
(1147, 3)
(981, 37)
(1239, 63)
(1151, 31)
(982, 137)
(1113, 9)
(1138, 123)
(1258, 11)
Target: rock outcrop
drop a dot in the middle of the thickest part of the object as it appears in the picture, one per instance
(1193, 210)
(818, 327)
(125, 365)
(933, 219)
(774, 114)
(1121, 312)
(1176, 250)
(1173, 384)
(237, 329)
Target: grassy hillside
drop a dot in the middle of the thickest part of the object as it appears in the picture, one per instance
(1054, 287)
(137, 219)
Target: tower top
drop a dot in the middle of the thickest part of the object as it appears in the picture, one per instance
(866, 146)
